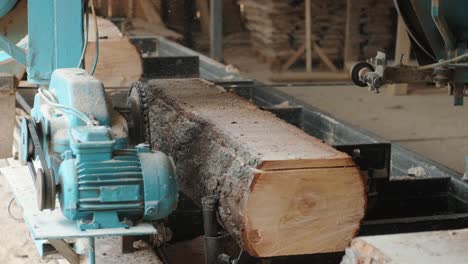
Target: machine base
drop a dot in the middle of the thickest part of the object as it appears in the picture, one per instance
(53, 226)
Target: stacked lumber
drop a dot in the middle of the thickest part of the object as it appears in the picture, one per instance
(281, 192)
(277, 27)
(272, 24)
(377, 27)
(328, 27)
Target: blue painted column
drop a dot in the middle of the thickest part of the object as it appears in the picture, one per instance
(55, 37)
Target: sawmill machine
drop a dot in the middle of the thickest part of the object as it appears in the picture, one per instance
(438, 31)
(77, 147)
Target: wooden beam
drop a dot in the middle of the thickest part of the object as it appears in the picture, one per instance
(402, 55)
(150, 12)
(403, 44)
(324, 58)
(351, 49)
(65, 250)
(281, 192)
(202, 6)
(309, 76)
(424, 247)
(308, 37)
(298, 53)
(294, 57)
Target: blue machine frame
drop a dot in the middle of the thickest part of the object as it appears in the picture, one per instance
(55, 29)
(80, 140)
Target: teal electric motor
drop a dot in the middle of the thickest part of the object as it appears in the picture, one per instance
(77, 149)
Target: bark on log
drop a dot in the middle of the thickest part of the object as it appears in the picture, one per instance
(281, 191)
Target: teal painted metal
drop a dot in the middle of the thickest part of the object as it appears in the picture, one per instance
(159, 183)
(445, 25)
(103, 183)
(71, 86)
(12, 50)
(55, 30)
(6, 6)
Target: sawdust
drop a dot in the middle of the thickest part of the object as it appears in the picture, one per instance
(417, 172)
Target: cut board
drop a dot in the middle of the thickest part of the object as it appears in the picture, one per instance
(425, 247)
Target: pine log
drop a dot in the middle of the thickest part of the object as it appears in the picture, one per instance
(281, 192)
(425, 247)
(119, 63)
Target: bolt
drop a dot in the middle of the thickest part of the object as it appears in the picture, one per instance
(143, 148)
(151, 210)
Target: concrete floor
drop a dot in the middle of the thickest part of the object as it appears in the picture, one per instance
(428, 124)
(424, 121)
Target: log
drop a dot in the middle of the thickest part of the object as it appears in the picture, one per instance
(119, 63)
(281, 192)
(425, 247)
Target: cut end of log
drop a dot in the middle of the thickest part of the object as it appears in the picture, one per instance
(281, 192)
(304, 211)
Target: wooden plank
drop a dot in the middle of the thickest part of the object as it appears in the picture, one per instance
(281, 191)
(426, 247)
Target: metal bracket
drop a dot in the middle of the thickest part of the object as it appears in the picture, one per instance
(14, 51)
(171, 67)
(442, 26)
(65, 250)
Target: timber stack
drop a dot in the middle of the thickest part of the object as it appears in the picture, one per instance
(277, 27)
(281, 192)
(377, 25)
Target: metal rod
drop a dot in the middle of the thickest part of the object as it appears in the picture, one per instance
(282, 85)
(20, 100)
(216, 29)
(209, 216)
(308, 41)
(213, 241)
(86, 248)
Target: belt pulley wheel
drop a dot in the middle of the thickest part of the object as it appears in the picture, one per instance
(355, 70)
(44, 180)
(45, 190)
